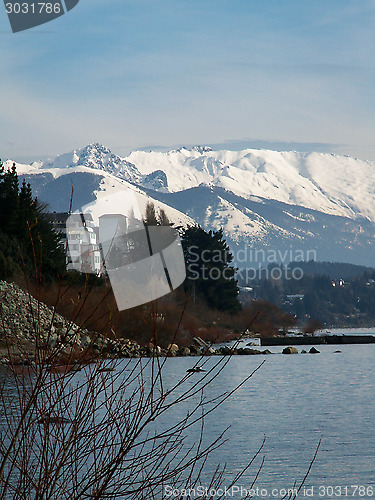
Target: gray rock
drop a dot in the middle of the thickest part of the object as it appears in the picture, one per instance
(85, 341)
(53, 339)
(27, 319)
(227, 351)
(210, 351)
(157, 350)
(194, 350)
(173, 348)
(248, 351)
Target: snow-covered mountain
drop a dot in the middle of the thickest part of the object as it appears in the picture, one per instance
(333, 184)
(90, 176)
(263, 199)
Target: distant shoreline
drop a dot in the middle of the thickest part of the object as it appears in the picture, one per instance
(328, 339)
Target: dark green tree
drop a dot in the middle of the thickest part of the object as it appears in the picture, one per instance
(150, 216)
(26, 212)
(9, 188)
(27, 238)
(209, 273)
(163, 219)
(155, 219)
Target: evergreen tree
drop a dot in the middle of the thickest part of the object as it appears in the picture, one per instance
(209, 273)
(8, 198)
(26, 213)
(150, 216)
(9, 257)
(35, 245)
(45, 242)
(133, 222)
(163, 218)
(154, 219)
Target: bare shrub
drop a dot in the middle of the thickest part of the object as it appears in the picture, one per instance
(95, 431)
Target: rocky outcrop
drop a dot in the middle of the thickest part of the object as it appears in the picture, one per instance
(248, 351)
(25, 318)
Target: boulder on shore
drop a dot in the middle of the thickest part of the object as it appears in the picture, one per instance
(314, 350)
(290, 350)
(173, 348)
(184, 351)
(248, 351)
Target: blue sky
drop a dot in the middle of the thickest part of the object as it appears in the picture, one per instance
(231, 73)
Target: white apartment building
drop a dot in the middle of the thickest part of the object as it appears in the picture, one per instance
(80, 234)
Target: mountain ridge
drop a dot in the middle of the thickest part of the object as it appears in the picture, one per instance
(326, 182)
(313, 201)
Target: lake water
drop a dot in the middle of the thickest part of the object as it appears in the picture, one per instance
(295, 401)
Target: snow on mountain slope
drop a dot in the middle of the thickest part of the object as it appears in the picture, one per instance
(97, 157)
(56, 185)
(257, 229)
(333, 184)
(239, 222)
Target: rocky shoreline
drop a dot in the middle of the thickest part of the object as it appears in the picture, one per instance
(25, 322)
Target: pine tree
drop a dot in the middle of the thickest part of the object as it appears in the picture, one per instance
(150, 216)
(209, 273)
(155, 219)
(24, 221)
(8, 198)
(26, 213)
(163, 219)
(45, 242)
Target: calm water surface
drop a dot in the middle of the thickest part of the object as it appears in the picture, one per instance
(295, 401)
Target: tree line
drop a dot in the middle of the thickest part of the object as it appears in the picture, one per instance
(332, 301)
